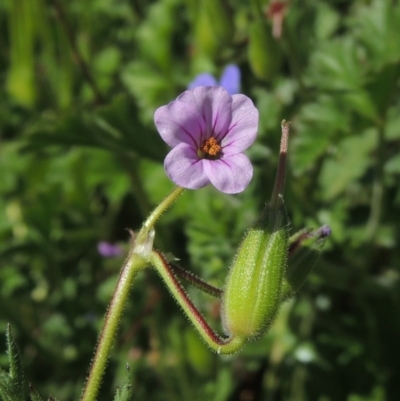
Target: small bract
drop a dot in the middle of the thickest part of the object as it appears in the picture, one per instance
(208, 130)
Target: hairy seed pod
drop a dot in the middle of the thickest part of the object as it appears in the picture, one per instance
(252, 293)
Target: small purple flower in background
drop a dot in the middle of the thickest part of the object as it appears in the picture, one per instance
(208, 130)
(230, 80)
(108, 250)
(324, 231)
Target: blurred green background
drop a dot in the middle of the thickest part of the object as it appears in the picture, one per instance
(80, 161)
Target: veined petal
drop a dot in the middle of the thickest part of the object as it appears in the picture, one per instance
(214, 104)
(231, 174)
(230, 79)
(184, 167)
(179, 122)
(243, 130)
(205, 79)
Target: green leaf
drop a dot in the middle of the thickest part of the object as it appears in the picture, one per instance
(213, 27)
(349, 164)
(35, 396)
(16, 369)
(124, 392)
(335, 66)
(264, 52)
(121, 119)
(381, 89)
(326, 22)
(6, 392)
(154, 35)
(115, 127)
(361, 102)
(319, 122)
(150, 88)
(196, 353)
(12, 385)
(376, 26)
(392, 166)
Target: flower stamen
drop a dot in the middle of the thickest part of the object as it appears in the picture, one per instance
(210, 148)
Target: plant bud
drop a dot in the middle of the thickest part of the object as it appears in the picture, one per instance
(252, 293)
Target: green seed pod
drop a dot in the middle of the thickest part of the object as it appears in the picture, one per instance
(253, 290)
(252, 293)
(264, 52)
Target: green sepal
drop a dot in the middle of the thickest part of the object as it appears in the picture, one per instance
(252, 293)
(305, 248)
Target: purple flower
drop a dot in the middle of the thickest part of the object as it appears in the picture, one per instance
(230, 80)
(324, 231)
(108, 250)
(208, 130)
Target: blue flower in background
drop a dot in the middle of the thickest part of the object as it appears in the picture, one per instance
(230, 80)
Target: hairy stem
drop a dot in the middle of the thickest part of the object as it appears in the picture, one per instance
(138, 258)
(135, 261)
(161, 208)
(196, 281)
(217, 343)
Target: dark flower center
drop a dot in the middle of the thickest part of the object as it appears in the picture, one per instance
(210, 149)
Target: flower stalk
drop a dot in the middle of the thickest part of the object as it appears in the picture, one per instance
(138, 258)
(217, 343)
(132, 265)
(160, 209)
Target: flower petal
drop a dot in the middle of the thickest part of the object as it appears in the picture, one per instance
(215, 104)
(205, 79)
(243, 129)
(231, 174)
(179, 122)
(184, 167)
(230, 79)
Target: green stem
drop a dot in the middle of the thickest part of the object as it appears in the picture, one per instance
(160, 209)
(132, 265)
(138, 258)
(218, 344)
(196, 281)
